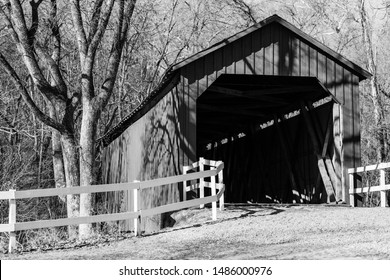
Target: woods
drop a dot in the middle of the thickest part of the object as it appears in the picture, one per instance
(71, 70)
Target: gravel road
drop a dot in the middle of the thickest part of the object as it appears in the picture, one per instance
(251, 232)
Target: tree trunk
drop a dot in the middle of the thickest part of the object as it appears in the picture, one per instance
(87, 161)
(72, 176)
(58, 161)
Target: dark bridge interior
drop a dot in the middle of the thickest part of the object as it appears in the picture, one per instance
(265, 162)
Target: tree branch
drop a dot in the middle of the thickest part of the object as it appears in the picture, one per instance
(28, 54)
(34, 21)
(97, 37)
(27, 98)
(246, 9)
(55, 32)
(8, 21)
(116, 51)
(95, 19)
(55, 72)
(80, 32)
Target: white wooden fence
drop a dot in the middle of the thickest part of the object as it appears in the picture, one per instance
(137, 214)
(382, 188)
(200, 167)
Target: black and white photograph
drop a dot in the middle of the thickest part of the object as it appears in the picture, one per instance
(194, 139)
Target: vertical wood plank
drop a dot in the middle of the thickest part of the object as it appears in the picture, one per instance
(344, 179)
(137, 221)
(356, 121)
(185, 169)
(201, 181)
(208, 64)
(239, 67)
(228, 59)
(192, 95)
(268, 51)
(295, 55)
(339, 83)
(12, 221)
(258, 51)
(305, 59)
(275, 35)
(321, 68)
(218, 63)
(222, 199)
(351, 190)
(213, 193)
(313, 62)
(176, 136)
(247, 54)
(284, 55)
(382, 183)
(201, 76)
(330, 76)
(184, 108)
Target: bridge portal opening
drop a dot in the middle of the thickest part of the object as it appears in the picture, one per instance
(275, 136)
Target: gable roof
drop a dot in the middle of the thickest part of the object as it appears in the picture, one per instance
(172, 75)
(357, 70)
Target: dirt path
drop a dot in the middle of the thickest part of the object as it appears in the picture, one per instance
(253, 232)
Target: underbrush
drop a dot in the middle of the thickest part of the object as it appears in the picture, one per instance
(58, 238)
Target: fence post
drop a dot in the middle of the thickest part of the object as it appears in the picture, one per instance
(352, 189)
(12, 221)
(213, 193)
(137, 221)
(222, 199)
(201, 182)
(382, 183)
(185, 169)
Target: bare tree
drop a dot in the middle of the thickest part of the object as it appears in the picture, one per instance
(90, 21)
(380, 134)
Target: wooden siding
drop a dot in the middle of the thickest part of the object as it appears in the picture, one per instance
(137, 154)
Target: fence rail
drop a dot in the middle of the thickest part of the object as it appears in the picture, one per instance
(137, 214)
(382, 188)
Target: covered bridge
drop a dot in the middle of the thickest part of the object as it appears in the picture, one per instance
(278, 107)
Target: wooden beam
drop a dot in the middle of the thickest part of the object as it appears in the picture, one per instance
(75, 221)
(243, 103)
(327, 136)
(224, 90)
(324, 151)
(282, 90)
(243, 94)
(229, 110)
(378, 166)
(320, 162)
(333, 176)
